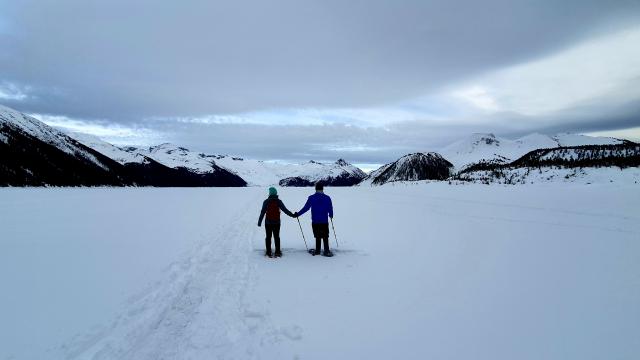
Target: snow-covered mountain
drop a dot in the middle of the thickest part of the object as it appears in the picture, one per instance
(490, 148)
(35, 154)
(254, 172)
(340, 173)
(411, 167)
(14, 123)
(588, 163)
(476, 157)
(120, 155)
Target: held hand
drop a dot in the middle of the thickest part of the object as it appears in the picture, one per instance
(295, 214)
(259, 224)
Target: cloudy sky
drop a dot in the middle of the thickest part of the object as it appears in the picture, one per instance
(303, 79)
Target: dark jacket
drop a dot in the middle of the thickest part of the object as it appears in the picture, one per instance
(321, 207)
(264, 210)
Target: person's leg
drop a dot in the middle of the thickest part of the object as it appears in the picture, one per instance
(325, 237)
(276, 238)
(317, 235)
(267, 240)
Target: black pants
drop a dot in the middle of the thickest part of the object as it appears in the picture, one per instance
(272, 229)
(321, 231)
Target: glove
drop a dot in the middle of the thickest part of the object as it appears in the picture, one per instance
(295, 214)
(259, 224)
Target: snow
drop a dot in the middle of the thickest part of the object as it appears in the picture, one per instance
(374, 174)
(266, 173)
(409, 168)
(107, 149)
(43, 132)
(423, 271)
(490, 147)
(4, 138)
(568, 139)
(547, 174)
(175, 156)
(254, 172)
(461, 154)
(578, 153)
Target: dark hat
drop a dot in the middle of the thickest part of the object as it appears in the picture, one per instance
(319, 186)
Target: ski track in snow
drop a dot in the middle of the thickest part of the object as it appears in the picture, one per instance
(198, 311)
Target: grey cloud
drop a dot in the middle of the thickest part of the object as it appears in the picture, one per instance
(384, 144)
(125, 60)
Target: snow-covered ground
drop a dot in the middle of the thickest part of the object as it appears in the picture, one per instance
(545, 271)
(549, 174)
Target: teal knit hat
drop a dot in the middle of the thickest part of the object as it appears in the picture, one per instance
(273, 191)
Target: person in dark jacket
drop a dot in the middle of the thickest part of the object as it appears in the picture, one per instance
(321, 210)
(271, 209)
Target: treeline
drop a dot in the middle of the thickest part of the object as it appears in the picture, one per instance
(620, 155)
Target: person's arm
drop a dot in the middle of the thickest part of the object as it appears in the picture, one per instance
(284, 208)
(262, 212)
(330, 208)
(306, 207)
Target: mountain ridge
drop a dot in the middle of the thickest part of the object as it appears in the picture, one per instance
(35, 154)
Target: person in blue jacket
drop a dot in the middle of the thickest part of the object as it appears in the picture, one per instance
(321, 210)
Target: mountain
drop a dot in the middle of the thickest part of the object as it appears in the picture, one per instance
(497, 150)
(254, 172)
(340, 173)
(608, 162)
(118, 154)
(34, 154)
(412, 167)
(487, 158)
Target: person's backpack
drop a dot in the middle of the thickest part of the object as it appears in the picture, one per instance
(273, 210)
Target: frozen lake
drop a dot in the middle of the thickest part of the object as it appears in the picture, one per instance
(422, 271)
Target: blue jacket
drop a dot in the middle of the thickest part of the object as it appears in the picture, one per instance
(320, 205)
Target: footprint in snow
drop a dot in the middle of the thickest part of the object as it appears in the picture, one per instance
(292, 332)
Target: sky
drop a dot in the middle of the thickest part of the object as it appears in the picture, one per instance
(295, 80)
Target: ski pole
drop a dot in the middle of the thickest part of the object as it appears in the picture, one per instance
(305, 240)
(334, 233)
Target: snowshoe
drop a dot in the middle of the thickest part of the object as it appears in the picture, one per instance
(327, 253)
(278, 254)
(268, 254)
(314, 252)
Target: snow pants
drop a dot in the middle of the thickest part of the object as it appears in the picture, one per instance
(321, 231)
(272, 230)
